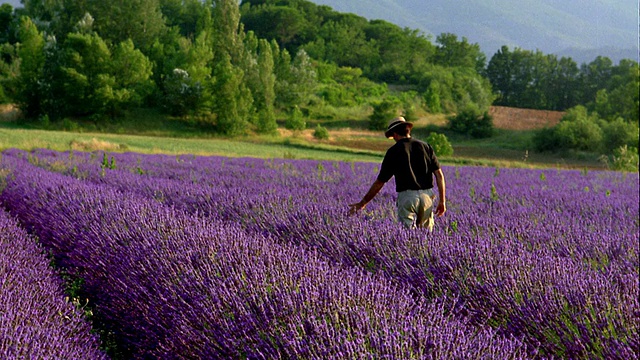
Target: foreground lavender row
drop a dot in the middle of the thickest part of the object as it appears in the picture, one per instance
(167, 284)
(35, 320)
(551, 256)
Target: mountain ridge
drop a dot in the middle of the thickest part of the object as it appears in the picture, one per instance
(580, 29)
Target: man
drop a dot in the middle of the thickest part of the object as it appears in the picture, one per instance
(413, 163)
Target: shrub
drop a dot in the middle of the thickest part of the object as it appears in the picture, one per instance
(579, 130)
(579, 135)
(321, 133)
(440, 144)
(295, 120)
(625, 159)
(383, 111)
(546, 140)
(472, 123)
(617, 134)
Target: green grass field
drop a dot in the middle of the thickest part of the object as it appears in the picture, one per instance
(150, 132)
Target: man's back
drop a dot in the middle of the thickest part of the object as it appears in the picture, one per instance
(412, 162)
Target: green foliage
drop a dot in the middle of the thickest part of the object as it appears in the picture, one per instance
(117, 21)
(451, 90)
(440, 144)
(528, 79)
(181, 93)
(577, 130)
(93, 80)
(183, 73)
(454, 53)
(625, 159)
(193, 58)
(471, 122)
(264, 93)
(267, 122)
(383, 112)
(432, 97)
(231, 99)
(8, 68)
(617, 134)
(321, 133)
(584, 131)
(295, 120)
(31, 54)
(6, 20)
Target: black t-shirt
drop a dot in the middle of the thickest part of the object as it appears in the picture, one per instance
(412, 162)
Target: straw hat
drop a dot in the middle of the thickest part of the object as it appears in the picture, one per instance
(393, 124)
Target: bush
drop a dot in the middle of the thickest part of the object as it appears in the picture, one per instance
(440, 144)
(624, 158)
(295, 120)
(321, 133)
(547, 140)
(470, 122)
(579, 135)
(617, 134)
(383, 111)
(578, 130)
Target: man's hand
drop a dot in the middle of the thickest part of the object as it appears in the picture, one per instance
(441, 209)
(354, 208)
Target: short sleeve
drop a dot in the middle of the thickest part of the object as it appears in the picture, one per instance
(386, 169)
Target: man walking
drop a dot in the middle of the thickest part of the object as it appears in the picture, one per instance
(414, 164)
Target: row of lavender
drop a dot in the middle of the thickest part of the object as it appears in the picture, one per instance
(36, 322)
(168, 283)
(550, 256)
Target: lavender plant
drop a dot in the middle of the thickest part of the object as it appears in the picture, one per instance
(550, 257)
(36, 321)
(170, 284)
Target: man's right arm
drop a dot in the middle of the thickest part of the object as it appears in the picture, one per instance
(373, 191)
(442, 204)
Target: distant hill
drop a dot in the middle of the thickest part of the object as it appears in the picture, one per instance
(14, 3)
(581, 29)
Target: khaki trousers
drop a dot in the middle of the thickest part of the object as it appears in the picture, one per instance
(415, 208)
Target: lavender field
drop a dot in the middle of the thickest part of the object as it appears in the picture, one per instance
(245, 258)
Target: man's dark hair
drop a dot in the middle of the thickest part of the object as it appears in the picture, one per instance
(402, 130)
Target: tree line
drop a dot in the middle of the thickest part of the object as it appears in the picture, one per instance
(240, 66)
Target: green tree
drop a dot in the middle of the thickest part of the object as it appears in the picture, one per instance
(295, 120)
(119, 20)
(132, 71)
(231, 101)
(94, 80)
(183, 73)
(577, 130)
(383, 111)
(595, 76)
(620, 99)
(296, 79)
(284, 24)
(31, 52)
(431, 97)
(227, 30)
(618, 133)
(9, 68)
(501, 72)
(472, 122)
(453, 53)
(266, 96)
(188, 16)
(6, 23)
(560, 83)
